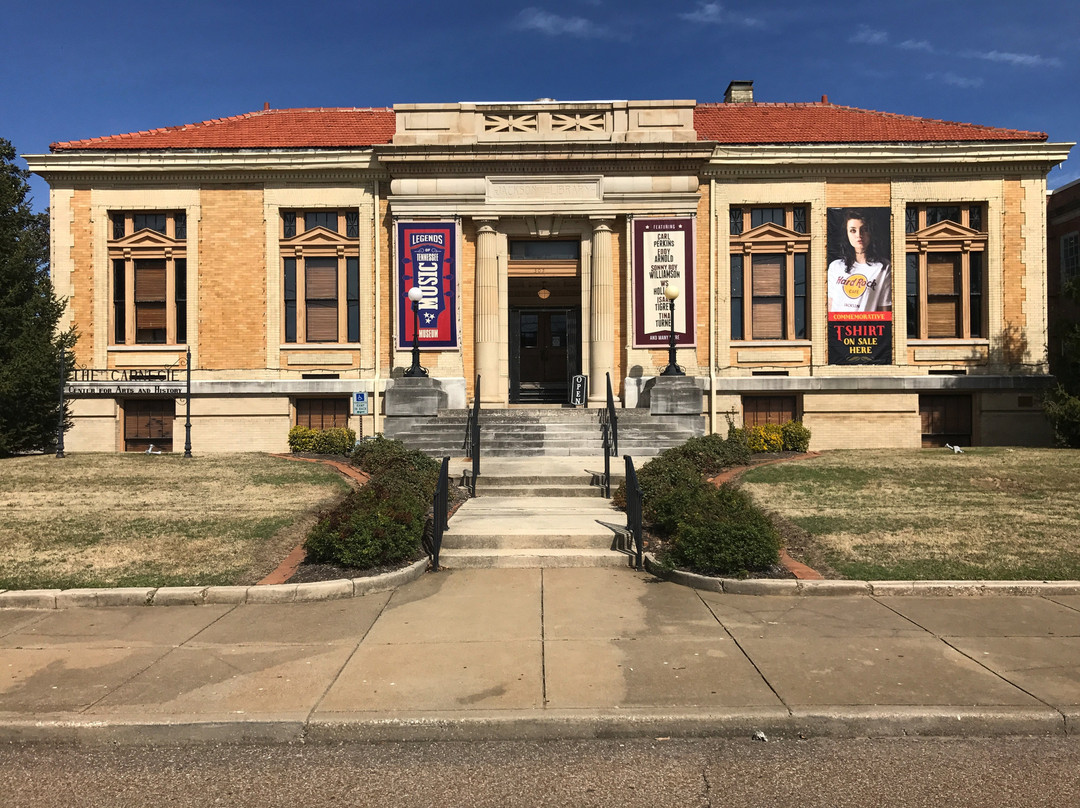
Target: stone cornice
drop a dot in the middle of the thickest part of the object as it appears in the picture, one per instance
(248, 165)
(495, 153)
(909, 158)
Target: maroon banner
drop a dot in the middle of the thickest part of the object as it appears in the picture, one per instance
(663, 254)
(859, 281)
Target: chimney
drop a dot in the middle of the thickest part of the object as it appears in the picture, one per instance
(739, 92)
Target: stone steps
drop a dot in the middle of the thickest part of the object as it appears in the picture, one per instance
(533, 513)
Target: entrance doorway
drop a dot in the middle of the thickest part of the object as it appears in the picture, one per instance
(544, 353)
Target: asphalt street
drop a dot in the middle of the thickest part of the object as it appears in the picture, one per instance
(1010, 772)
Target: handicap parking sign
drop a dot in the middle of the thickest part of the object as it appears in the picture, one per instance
(359, 404)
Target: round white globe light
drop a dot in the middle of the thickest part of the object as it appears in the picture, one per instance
(671, 291)
(415, 294)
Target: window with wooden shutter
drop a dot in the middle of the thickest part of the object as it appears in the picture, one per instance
(322, 413)
(946, 271)
(945, 419)
(321, 292)
(943, 295)
(148, 254)
(320, 257)
(151, 320)
(769, 278)
(758, 410)
(148, 422)
(767, 316)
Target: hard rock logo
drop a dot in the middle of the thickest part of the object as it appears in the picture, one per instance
(854, 285)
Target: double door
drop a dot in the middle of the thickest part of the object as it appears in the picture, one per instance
(545, 351)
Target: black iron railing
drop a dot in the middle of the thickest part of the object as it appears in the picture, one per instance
(633, 511)
(472, 439)
(440, 516)
(609, 430)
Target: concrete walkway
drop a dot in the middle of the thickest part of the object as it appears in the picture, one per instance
(542, 653)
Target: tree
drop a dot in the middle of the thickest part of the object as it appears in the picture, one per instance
(1062, 404)
(30, 344)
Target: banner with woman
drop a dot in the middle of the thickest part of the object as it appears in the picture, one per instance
(859, 286)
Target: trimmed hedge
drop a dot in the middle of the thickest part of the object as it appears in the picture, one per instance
(337, 441)
(764, 438)
(709, 530)
(383, 522)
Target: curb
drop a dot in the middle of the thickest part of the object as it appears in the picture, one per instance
(887, 721)
(794, 586)
(198, 595)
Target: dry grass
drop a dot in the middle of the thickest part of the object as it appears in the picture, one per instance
(990, 513)
(153, 520)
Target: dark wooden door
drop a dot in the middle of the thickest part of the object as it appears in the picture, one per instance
(544, 354)
(148, 422)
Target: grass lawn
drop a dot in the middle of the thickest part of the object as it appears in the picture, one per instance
(154, 520)
(925, 514)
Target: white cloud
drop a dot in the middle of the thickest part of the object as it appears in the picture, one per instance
(535, 19)
(954, 80)
(869, 36)
(1015, 59)
(716, 14)
(917, 44)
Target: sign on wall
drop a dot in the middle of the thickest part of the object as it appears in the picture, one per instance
(663, 253)
(427, 257)
(859, 259)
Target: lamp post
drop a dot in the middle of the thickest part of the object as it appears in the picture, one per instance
(415, 295)
(671, 291)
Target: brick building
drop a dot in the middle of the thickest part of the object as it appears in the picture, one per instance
(1063, 264)
(882, 277)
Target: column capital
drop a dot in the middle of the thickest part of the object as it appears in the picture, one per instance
(601, 223)
(486, 223)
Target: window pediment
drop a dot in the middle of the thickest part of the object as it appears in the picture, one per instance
(947, 230)
(771, 237)
(147, 239)
(317, 237)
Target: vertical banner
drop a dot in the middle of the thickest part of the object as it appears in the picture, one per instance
(859, 258)
(663, 253)
(427, 259)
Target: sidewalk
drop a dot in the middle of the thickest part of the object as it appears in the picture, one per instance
(552, 653)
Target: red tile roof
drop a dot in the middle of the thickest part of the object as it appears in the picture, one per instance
(265, 129)
(830, 123)
(724, 123)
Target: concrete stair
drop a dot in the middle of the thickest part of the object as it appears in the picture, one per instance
(541, 432)
(533, 513)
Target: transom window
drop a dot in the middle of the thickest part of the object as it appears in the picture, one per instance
(946, 271)
(321, 276)
(768, 261)
(148, 254)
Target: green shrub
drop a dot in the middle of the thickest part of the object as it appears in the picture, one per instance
(383, 522)
(765, 438)
(712, 454)
(724, 534)
(1063, 410)
(796, 437)
(367, 530)
(337, 441)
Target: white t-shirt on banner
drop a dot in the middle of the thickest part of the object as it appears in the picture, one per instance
(867, 287)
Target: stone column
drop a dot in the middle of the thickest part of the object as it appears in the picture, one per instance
(601, 315)
(487, 312)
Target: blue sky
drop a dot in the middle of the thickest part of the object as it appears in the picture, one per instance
(73, 69)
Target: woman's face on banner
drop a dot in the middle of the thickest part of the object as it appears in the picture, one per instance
(858, 234)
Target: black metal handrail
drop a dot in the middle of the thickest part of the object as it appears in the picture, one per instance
(609, 431)
(440, 515)
(633, 511)
(472, 438)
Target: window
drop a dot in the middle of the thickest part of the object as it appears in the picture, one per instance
(758, 410)
(149, 277)
(321, 276)
(322, 413)
(769, 248)
(1070, 257)
(946, 271)
(148, 422)
(945, 419)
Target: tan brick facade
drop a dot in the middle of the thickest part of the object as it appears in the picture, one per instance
(232, 247)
